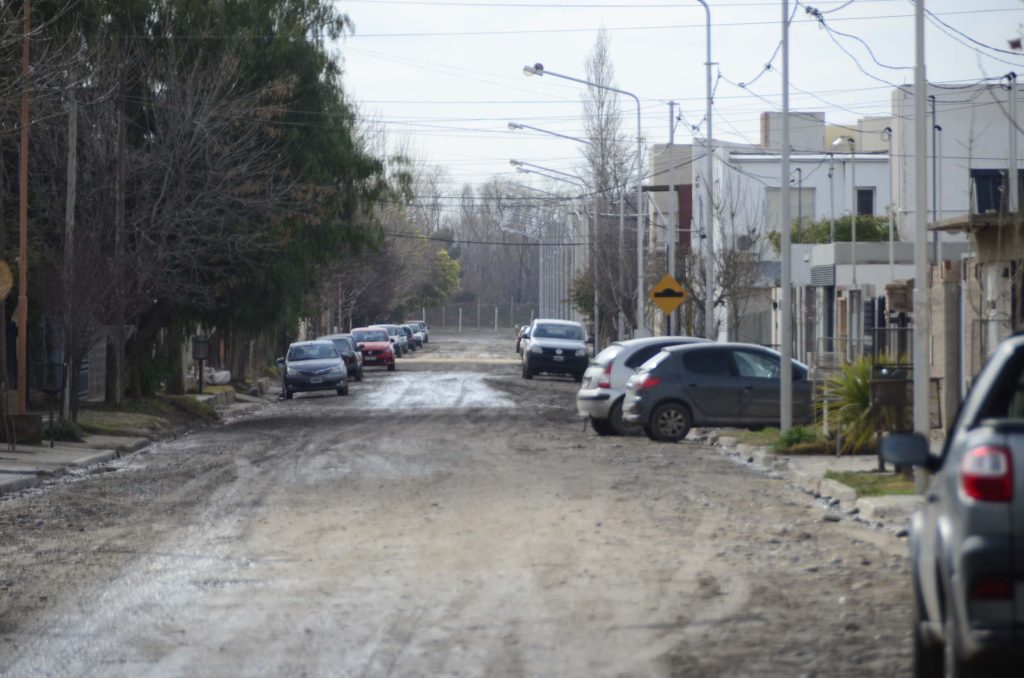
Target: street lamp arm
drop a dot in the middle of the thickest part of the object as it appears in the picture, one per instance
(519, 125)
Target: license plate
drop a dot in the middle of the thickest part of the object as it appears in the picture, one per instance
(559, 358)
(316, 380)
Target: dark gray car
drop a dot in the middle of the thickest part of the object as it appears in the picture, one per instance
(711, 384)
(313, 366)
(967, 542)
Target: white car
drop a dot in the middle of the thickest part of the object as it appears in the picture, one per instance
(604, 383)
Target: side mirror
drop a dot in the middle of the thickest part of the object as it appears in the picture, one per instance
(909, 449)
(360, 346)
(280, 361)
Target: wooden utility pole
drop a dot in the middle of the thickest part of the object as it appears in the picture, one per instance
(23, 224)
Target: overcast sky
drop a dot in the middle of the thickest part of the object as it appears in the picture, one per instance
(445, 76)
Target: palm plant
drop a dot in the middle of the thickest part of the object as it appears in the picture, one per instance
(846, 403)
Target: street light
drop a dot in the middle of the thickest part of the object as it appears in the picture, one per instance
(594, 240)
(538, 69)
(853, 205)
(887, 137)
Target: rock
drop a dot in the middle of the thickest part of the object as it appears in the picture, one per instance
(852, 511)
(831, 518)
(903, 532)
(833, 502)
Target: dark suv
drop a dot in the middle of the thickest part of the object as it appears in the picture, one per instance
(350, 353)
(711, 384)
(967, 542)
(555, 347)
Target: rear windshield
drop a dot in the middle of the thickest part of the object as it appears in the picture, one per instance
(654, 362)
(607, 355)
(571, 332)
(343, 345)
(312, 352)
(370, 335)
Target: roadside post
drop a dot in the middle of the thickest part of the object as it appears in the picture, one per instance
(52, 375)
(200, 354)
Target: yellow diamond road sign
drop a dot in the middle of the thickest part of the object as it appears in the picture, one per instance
(668, 294)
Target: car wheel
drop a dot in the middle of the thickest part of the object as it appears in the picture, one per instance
(927, 657)
(527, 372)
(391, 367)
(287, 394)
(954, 664)
(647, 431)
(359, 375)
(602, 427)
(343, 390)
(670, 422)
(620, 426)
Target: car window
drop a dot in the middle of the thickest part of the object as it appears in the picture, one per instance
(342, 345)
(714, 361)
(654, 361)
(643, 355)
(756, 364)
(1006, 398)
(370, 335)
(557, 332)
(608, 355)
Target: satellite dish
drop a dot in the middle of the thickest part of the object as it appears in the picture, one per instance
(744, 243)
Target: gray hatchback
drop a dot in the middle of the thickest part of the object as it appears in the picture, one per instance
(712, 384)
(967, 542)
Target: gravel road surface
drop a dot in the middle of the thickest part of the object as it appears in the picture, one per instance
(446, 519)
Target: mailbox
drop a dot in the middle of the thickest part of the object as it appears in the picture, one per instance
(200, 348)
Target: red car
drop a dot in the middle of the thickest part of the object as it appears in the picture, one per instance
(375, 345)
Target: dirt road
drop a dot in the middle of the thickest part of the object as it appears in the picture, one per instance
(446, 519)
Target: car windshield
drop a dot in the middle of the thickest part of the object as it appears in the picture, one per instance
(370, 335)
(311, 352)
(571, 332)
(342, 345)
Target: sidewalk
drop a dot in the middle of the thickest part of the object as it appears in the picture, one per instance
(31, 465)
(807, 472)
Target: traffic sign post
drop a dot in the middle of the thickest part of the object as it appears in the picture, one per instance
(668, 294)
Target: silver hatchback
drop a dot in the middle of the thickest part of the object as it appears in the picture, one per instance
(604, 383)
(967, 542)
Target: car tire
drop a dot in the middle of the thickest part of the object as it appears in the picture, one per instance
(647, 431)
(602, 427)
(287, 394)
(928, 658)
(953, 663)
(359, 375)
(391, 367)
(620, 426)
(343, 390)
(527, 372)
(670, 422)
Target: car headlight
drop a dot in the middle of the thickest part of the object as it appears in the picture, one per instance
(536, 349)
(292, 371)
(581, 352)
(337, 368)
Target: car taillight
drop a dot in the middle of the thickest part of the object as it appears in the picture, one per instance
(986, 474)
(648, 382)
(606, 377)
(992, 588)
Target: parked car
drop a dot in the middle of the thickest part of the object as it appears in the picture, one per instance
(376, 346)
(604, 383)
(555, 347)
(350, 353)
(711, 384)
(967, 540)
(423, 328)
(313, 366)
(520, 334)
(400, 340)
(410, 336)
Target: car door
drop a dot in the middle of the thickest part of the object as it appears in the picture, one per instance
(759, 376)
(711, 384)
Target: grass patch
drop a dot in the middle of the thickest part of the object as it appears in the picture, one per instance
(766, 436)
(873, 483)
(143, 417)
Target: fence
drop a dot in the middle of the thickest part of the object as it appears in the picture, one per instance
(480, 316)
(986, 334)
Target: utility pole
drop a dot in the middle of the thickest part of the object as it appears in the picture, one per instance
(23, 223)
(831, 201)
(786, 349)
(935, 179)
(1014, 206)
(119, 245)
(709, 302)
(673, 203)
(922, 311)
(69, 231)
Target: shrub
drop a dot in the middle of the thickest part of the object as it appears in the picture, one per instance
(63, 429)
(848, 395)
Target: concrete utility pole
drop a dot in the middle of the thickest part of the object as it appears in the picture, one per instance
(709, 302)
(23, 224)
(922, 310)
(935, 180)
(1014, 206)
(673, 215)
(786, 367)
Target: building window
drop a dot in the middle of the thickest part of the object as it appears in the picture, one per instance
(865, 202)
(989, 191)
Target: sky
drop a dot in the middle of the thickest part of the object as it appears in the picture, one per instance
(444, 77)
